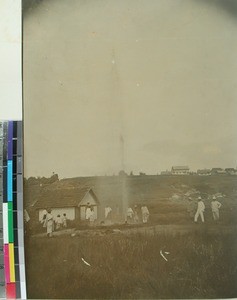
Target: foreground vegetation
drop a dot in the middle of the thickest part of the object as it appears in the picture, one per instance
(200, 265)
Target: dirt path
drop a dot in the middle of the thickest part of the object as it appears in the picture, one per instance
(184, 229)
(154, 229)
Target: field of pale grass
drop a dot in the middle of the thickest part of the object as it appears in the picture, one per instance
(200, 265)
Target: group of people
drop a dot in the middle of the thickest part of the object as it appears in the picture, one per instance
(133, 214)
(51, 224)
(200, 209)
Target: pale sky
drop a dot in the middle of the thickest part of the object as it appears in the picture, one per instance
(160, 73)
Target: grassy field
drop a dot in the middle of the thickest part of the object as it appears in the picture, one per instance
(127, 264)
(122, 266)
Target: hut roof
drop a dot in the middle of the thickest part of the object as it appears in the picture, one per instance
(64, 197)
(180, 168)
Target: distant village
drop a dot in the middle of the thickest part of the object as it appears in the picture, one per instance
(184, 170)
(175, 170)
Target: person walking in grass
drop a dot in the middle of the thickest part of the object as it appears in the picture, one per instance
(145, 214)
(215, 206)
(200, 210)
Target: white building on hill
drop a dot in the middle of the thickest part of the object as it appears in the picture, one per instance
(180, 170)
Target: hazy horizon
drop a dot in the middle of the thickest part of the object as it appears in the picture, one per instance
(134, 85)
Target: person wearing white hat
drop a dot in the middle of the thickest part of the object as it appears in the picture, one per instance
(215, 206)
(200, 210)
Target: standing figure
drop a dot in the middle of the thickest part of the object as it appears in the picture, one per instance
(88, 212)
(49, 223)
(44, 221)
(145, 214)
(26, 221)
(64, 219)
(136, 218)
(215, 206)
(130, 214)
(92, 216)
(58, 222)
(108, 211)
(200, 210)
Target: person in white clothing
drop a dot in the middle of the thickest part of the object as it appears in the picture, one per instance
(130, 215)
(200, 210)
(92, 216)
(135, 217)
(108, 211)
(215, 206)
(44, 221)
(88, 212)
(58, 222)
(145, 214)
(49, 223)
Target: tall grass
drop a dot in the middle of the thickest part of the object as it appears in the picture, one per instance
(131, 267)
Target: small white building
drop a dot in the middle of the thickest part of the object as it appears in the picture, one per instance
(69, 201)
(231, 171)
(204, 172)
(166, 173)
(218, 171)
(180, 170)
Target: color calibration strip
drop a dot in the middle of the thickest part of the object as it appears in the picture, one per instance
(12, 280)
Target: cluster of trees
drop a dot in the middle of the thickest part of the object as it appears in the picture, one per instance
(123, 173)
(49, 180)
(42, 180)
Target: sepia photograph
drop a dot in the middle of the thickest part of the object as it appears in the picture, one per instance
(130, 149)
